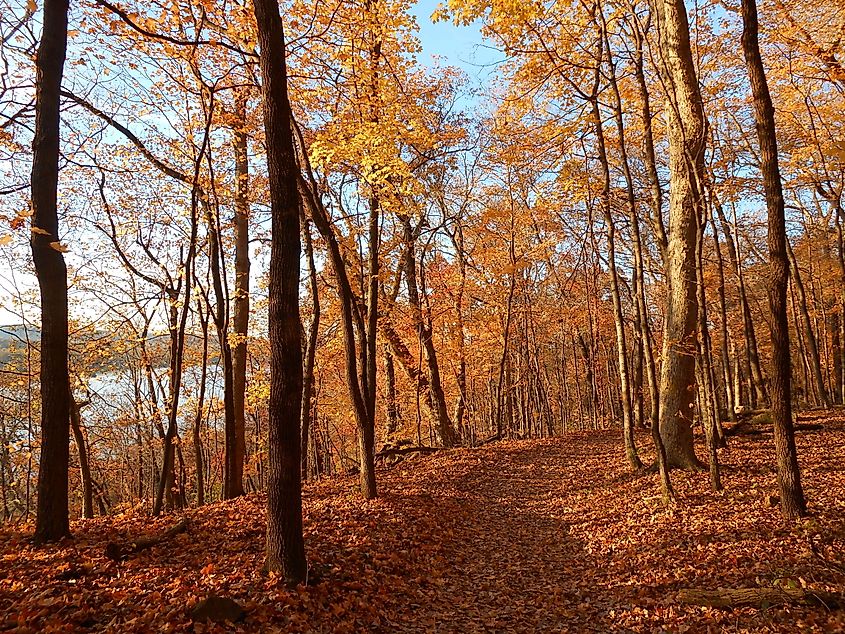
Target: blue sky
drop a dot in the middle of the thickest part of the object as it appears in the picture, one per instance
(460, 46)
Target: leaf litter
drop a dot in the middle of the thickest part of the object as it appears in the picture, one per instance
(552, 535)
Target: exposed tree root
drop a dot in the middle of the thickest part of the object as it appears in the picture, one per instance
(118, 552)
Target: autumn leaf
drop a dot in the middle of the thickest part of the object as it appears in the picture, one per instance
(452, 536)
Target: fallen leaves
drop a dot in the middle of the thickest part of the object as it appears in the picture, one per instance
(524, 536)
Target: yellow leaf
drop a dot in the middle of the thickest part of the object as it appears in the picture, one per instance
(58, 246)
(39, 231)
(4, 240)
(31, 6)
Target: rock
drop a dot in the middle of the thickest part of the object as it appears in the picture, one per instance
(217, 609)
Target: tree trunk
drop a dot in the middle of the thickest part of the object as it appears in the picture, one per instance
(461, 374)
(645, 350)
(120, 551)
(618, 318)
(391, 405)
(800, 390)
(810, 342)
(177, 324)
(285, 544)
(198, 418)
(589, 399)
(503, 400)
(310, 350)
(727, 369)
(687, 135)
(308, 191)
(737, 375)
(751, 360)
(52, 522)
(709, 412)
(761, 598)
(84, 464)
(836, 354)
(757, 392)
(656, 215)
(367, 430)
(233, 468)
(637, 362)
(240, 317)
(839, 361)
(789, 477)
(445, 430)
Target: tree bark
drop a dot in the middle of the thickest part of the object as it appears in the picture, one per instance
(645, 351)
(391, 404)
(367, 430)
(119, 551)
(618, 319)
(84, 464)
(308, 190)
(839, 360)
(727, 368)
(810, 341)
(757, 597)
(789, 476)
(233, 467)
(52, 522)
(751, 360)
(445, 430)
(707, 400)
(240, 317)
(687, 137)
(461, 374)
(285, 552)
(655, 188)
(177, 324)
(836, 356)
(199, 463)
(310, 350)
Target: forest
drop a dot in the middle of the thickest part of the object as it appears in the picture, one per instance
(308, 330)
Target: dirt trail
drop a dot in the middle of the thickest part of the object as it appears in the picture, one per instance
(558, 536)
(510, 561)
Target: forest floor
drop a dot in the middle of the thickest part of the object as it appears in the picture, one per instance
(521, 536)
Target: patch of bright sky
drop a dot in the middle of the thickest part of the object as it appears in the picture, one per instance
(445, 44)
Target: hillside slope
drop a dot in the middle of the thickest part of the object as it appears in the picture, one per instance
(523, 536)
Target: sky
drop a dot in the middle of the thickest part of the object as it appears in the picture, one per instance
(461, 46)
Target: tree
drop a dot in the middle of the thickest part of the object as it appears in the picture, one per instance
(51, 522)
(605, 204)
(687, 130)
(240, 318)
(792, 501)
(285, 544)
